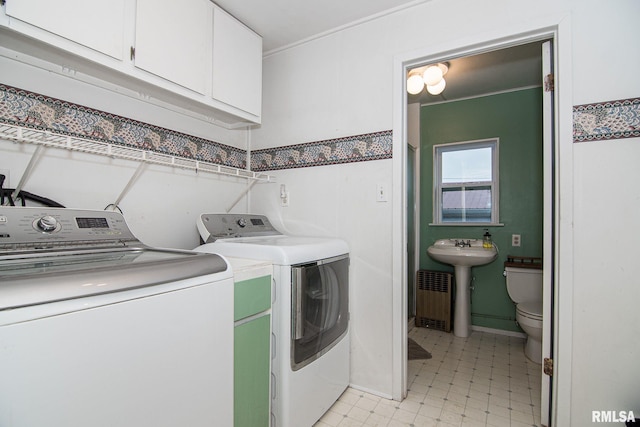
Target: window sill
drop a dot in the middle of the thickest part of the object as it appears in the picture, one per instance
(466, 224)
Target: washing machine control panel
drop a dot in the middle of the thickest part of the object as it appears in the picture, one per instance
(223, 226)
(27, 228)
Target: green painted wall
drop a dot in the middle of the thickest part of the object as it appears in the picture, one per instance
(516, 119)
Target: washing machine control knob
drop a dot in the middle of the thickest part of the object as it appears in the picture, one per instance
(47, 224)
(242, 223)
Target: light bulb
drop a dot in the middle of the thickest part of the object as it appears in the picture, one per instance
(415, 84)
(432, 75)
(436, 89)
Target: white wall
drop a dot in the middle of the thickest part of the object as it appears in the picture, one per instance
(606, 349)
(162, 205)
(342, 85)
(606, 286)
(321, 203)
(604, 345)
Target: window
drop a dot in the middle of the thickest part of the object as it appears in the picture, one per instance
(466, 183)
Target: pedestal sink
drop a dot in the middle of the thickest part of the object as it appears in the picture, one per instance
(462, 254)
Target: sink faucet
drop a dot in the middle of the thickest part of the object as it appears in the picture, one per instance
(462, 243)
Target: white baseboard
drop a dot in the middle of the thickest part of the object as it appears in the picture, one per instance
(498, 331)
(374, 392)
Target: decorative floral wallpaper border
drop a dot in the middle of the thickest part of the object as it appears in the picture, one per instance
(591, 122)
(358, 148)
(23, 108)
(607, 120)
(28, 109)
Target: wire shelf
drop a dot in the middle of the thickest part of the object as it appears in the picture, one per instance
(74, 143)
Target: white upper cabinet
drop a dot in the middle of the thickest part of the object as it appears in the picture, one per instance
(99, 25)
(173, 40)
(237, 63)
(189, 55)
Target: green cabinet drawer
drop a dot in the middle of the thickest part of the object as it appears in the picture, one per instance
(252, 296)
(252, 372)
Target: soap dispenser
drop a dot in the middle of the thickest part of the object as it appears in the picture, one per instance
(486, 239)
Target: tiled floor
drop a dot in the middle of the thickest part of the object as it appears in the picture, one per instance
(482, 380)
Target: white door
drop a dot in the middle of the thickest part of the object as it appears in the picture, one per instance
(548, 127)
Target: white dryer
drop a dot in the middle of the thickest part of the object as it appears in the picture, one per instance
(310, 366)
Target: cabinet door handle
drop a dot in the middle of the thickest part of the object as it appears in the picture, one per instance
(132, 53)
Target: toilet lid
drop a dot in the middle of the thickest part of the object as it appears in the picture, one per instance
(531, 309)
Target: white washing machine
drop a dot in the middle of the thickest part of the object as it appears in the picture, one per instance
(97, 329)
(310, 366)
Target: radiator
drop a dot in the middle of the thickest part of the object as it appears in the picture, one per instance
(433, 299)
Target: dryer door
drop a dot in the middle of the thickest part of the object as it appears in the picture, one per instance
(320, 308)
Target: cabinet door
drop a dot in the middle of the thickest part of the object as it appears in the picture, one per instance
(98, 25)
(251, 372)
(251, 296)
(237, 63)
(173, 40)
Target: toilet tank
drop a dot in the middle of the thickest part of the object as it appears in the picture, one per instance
(524, 284)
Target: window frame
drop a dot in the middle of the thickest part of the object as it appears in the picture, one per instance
(494, 184)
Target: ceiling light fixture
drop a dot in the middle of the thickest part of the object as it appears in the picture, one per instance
(431, 76)
(415, 83)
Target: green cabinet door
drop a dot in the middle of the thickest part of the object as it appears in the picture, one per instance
(251, 373)
(251, 296)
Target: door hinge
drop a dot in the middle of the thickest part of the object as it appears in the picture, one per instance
(549, 85)
(132, 53)
(548, 366)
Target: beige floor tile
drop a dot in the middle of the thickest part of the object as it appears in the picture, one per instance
(483, 380)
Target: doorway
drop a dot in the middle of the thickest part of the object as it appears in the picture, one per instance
(549, 196)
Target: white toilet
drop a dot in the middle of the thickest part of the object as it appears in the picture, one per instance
(524, 286)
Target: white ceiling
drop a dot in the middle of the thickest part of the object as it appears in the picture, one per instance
(501, 70)
(283, 23)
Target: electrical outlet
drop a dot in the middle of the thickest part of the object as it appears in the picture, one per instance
(515, 240)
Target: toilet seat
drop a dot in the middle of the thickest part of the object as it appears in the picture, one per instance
(530, 310)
